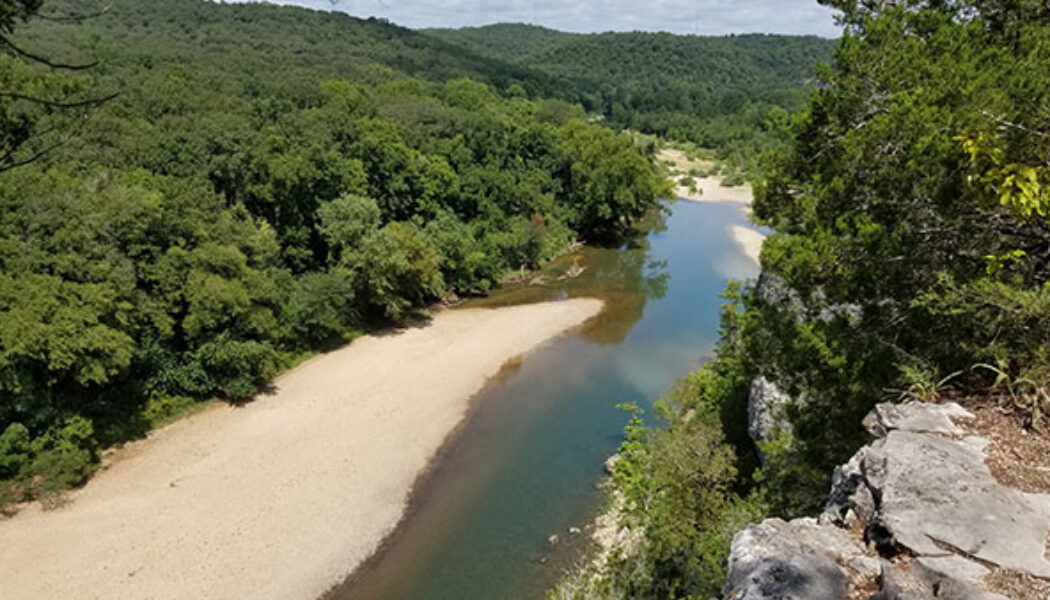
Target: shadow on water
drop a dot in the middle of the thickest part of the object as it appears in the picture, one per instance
(524, 465)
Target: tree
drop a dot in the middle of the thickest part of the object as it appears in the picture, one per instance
(239, 204)
(397, 270)
(37, 109)
(910, 219)
(609, 183)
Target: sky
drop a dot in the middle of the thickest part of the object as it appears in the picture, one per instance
(705, 17)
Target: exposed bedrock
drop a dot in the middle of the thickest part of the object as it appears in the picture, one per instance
(915, 514)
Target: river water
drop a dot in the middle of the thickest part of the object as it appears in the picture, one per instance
(526, 463)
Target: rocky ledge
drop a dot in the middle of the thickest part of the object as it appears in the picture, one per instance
(916, 514)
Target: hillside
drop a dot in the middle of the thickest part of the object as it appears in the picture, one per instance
(509, 42)
(715, 91)
(764, 64)
(228, 189)
(281, 45)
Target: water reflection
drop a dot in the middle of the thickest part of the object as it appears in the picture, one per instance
(525, 464)
(626, 278)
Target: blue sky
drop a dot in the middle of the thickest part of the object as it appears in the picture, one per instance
(708, 17)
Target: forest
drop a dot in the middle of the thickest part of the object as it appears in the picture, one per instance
(732, 94)
(196, 196)
(908, 264)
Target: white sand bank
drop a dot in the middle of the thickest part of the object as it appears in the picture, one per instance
(710, 189)
(749, 240)
(284, 497)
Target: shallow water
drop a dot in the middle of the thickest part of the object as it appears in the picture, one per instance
(526, 463)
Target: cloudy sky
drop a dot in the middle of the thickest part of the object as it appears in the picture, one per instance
(678, 16)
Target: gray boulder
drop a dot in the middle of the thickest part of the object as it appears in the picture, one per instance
(916, 418)
(773, 290)
(917, 514)
(769, 561)
(939, 498)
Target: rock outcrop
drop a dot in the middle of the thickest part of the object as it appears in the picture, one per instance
(765, 410)
(916, 514)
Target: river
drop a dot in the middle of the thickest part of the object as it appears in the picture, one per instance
(526, 463)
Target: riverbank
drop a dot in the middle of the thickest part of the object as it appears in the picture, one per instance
(284, 497)
(712, 189)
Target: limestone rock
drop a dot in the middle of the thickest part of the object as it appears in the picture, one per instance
(765, 410)
(916, 418)
(769, 561)
(851, 500)
(772, 289)
(938, 497)
(923, 496)
(947, 578)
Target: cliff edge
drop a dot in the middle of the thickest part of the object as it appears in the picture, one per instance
(930, 509)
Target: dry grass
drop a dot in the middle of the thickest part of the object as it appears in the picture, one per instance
(1017, 586)
(1018, 456)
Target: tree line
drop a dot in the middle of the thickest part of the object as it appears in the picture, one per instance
(731, 93)
(207, 204)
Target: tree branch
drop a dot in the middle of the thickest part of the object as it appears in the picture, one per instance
(1006, 123)
(37, 156)
(40, 59)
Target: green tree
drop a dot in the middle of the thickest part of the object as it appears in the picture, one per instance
(609, 183)
(397, 270)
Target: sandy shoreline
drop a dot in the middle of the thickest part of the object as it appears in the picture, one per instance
(710, 189)
(750, 241)
(282, 498)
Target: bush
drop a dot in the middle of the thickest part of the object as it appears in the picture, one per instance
(320, 310)
(679, 483)
(163, 409)
(62, 458)
(14, 451)
(398, 270)
(238, 368)
(467, 262)
(345, 222)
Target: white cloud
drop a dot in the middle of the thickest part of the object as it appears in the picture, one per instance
(707, 17)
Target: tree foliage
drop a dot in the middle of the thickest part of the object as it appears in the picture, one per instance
(252, 195)
(915, 194)
(728, 93)
(910, 253)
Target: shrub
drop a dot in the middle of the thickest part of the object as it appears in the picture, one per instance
(320, 310)
(397, 270)
(238, 368)
(14, 450)
(63, 457)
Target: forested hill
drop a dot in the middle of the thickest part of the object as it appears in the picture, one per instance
(206, 192)
(715, 91)
(195, 195)
(758, 62)
(274, 48)
(509, 42)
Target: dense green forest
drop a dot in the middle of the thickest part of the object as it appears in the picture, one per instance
(728, 93)
(909, 263)
(193, 196)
